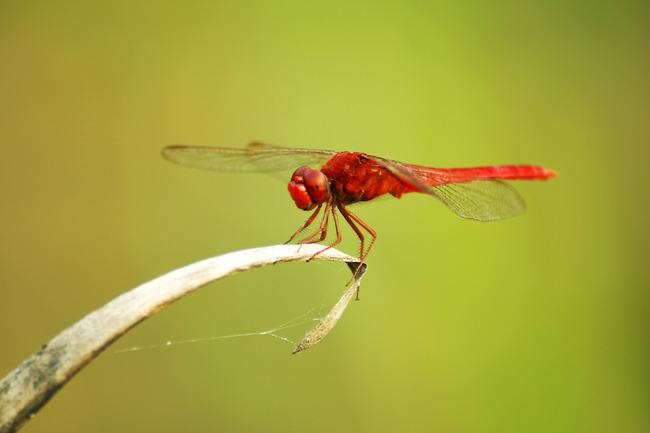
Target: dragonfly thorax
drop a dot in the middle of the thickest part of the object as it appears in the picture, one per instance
(308, 188)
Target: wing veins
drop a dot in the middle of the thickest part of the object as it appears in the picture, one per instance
(256, 157)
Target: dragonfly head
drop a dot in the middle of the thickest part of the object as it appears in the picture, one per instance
(308, 188)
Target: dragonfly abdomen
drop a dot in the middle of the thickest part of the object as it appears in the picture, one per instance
(442, 176)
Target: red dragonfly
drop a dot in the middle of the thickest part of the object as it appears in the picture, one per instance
(345, 178)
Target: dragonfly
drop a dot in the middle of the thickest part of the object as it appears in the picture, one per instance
(346, 178)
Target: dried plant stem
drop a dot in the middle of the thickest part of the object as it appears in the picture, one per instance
(27, 388)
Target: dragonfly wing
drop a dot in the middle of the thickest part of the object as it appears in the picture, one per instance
(256, 157)
(482, 200)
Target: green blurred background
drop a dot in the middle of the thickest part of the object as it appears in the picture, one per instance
(535, 324)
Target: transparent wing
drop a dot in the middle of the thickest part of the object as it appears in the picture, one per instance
(256, 157)
(482, 200)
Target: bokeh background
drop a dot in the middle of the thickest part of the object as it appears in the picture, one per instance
(535, 324)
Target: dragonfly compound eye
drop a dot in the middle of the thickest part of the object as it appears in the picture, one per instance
(308, 188)
(317, 185)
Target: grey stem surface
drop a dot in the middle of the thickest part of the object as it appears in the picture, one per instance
(28, 387)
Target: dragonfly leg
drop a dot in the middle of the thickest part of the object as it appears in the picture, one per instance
(350, 221)
(338, 234)
(369, 229)
(322, 229)
(307, 223)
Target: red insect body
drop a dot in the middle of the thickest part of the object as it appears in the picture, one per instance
(355, 177)
(349, 177)
(442, 176)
